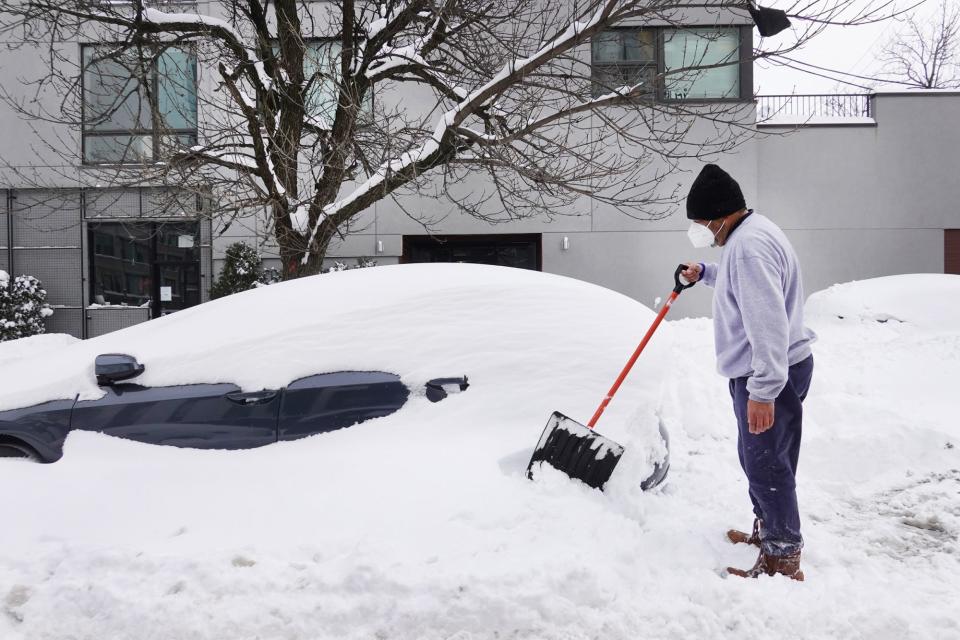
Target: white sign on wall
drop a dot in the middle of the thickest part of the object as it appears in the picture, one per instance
(166, 294)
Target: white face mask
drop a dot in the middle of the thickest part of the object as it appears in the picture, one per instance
(701, 237)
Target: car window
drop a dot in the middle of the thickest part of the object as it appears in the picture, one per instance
(330, 401)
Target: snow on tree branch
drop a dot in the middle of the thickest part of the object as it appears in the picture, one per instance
(180, 22)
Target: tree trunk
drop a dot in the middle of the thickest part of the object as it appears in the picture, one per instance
(293, 246)
(294, 265)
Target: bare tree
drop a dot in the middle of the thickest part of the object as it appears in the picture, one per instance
(318, 110)
(925, 53)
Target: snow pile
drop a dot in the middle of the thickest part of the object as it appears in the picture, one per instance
(421, 526)
(44, 344)
(923, 299)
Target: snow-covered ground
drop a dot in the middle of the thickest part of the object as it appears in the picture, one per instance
(420, 525)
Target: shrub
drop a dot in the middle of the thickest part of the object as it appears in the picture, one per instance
(23, 306)
(362, 263)
(242, 270)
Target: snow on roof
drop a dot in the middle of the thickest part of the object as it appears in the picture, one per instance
(791, 120)
(899, 90)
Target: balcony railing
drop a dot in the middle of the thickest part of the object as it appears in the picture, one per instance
(814, 106)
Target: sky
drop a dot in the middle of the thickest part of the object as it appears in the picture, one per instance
(848, 49)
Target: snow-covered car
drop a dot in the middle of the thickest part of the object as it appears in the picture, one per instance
(207, 416)
(319, 354)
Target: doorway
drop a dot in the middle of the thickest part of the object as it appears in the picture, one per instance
(951, 251)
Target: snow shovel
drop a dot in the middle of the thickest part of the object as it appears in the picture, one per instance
(578, 450)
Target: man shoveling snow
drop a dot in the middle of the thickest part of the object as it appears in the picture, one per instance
(764, 349)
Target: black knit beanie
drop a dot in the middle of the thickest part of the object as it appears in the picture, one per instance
(714, 194)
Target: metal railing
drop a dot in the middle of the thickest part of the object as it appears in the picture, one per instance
(843, 105)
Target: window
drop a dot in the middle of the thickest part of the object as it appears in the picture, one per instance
(701, 64)
(134, 109)
(694, 63)
(624, 57)
(103, 244)
(322, 57)
(149, 264)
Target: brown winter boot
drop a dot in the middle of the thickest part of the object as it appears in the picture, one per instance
(740, 537)
(772, 565)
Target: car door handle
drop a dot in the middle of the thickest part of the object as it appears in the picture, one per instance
(256, 397)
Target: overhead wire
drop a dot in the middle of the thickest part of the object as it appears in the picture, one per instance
(821, 75)
(836, 71)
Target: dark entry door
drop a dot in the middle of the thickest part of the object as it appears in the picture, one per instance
(145, 264)
(951, 251)
(507, 250)
(177, 287)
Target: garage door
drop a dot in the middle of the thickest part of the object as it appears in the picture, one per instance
(507, 250)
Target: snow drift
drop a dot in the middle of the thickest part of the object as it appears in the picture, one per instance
(926, 300)
(420, 525)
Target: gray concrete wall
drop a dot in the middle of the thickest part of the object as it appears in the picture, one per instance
(866, 201)
(634, 256)
(35, 152)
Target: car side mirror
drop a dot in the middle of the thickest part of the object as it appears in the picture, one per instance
(439, 388)
(114, 367)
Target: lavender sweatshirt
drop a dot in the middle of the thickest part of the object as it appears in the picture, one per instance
(758, 307)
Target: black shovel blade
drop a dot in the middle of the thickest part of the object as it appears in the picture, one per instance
(577, 450)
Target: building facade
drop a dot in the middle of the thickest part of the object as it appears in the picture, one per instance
(861, 192)
(107, 258)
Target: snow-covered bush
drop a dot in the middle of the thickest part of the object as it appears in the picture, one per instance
(23, 306)
(242, 270)
(362, 263)
(270, 276)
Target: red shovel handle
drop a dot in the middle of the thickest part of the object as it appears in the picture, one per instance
(643, 343)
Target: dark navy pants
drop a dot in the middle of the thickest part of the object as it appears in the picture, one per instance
(770, 460)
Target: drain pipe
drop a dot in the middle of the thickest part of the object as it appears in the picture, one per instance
(10, 232)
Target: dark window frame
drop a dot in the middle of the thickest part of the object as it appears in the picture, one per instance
(155, 132)
(744, 63)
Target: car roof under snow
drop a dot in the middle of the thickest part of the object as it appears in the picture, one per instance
(503, 326)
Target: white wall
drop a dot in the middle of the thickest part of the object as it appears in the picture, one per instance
(866, 201)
